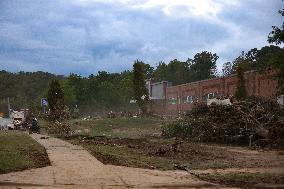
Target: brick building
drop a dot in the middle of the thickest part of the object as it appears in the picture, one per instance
(180, 98)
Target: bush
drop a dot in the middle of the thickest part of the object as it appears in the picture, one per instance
(176, 129)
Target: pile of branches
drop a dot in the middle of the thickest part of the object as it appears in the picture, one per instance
(58, 122)
(61, 129)
(244, 122)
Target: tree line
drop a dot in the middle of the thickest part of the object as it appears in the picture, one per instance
(105, 91)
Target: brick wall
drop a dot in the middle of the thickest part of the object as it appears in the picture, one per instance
(172, 97)
(180, 98)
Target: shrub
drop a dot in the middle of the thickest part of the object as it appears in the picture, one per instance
(177, 128)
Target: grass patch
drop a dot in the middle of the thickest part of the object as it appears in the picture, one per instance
(18, 151)
(119, 127)
(244, 180)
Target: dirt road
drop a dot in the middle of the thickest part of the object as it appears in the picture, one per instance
(73, 167)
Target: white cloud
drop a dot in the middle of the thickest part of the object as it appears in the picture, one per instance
(184, 8)
(88, 2)
(84, 36)
(191, 7)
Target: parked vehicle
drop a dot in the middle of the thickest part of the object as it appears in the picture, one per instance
(19, 118)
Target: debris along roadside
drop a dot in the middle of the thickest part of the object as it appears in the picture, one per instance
(171, 154)
(255, 121)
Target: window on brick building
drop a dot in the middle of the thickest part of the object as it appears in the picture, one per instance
(189, 99)
(172, 101)
(210, 95)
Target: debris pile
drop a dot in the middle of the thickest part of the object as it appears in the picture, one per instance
(62, 129)
(244, 122)
(276, 133)
(111, 114)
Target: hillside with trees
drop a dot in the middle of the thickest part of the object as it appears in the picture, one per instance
(22, 88)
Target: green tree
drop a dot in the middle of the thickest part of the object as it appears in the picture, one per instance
(55, 97)
(178, 72)
(125, 88)
(241, 92)
(148, 70)
(23, 87)
(92, 89)
(69, 92)
(141, 94)
(227, 69)
(203, 66)
(277, 34)
(244, 61)
(108, 95)
(161, 72)
(277, 62)
(260, 59)
(78, 87)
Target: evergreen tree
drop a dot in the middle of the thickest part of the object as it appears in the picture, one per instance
(141, 94)
(241, 92)
(55, 97)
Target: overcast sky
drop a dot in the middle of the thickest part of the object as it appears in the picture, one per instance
(86, 36)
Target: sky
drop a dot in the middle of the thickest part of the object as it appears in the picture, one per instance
(87, 36)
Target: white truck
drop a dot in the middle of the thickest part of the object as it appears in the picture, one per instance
(19, 118)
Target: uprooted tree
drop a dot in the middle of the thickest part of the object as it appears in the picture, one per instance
(140, 91)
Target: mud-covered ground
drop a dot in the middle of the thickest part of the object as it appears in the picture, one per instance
(246, 180)
(227, 165)
(176, 154)
(137, 142)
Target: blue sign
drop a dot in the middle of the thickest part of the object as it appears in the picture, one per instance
(44, 102)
